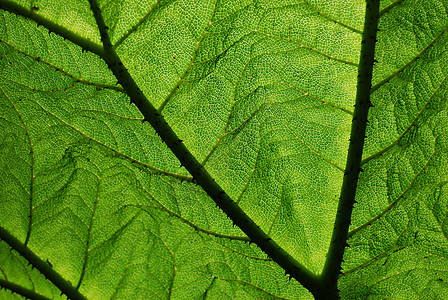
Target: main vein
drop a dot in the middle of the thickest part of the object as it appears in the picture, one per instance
(331, 271)
(63, 285)
(200, 175)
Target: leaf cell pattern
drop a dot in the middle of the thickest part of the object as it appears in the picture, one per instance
(262, 94)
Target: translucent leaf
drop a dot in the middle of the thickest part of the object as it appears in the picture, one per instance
(262, 94)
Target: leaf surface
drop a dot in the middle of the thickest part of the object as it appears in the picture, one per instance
(262, 94)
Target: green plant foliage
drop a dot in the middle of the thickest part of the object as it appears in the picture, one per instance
(94, 204)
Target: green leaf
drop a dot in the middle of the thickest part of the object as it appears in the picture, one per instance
(248, 119)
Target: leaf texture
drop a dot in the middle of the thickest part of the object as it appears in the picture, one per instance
(262, 94)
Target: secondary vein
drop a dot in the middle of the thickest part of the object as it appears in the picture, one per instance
(53, 27)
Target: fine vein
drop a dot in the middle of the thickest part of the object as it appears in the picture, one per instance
(393, 203)
(134, 28)
(300, 45)
(190, 65)
(413, 123)
(32, 175)
(389, 7)
(331, 18)
(189, 223)
(388, 78)
(75, 79)
(89, 233)
(123, 155)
